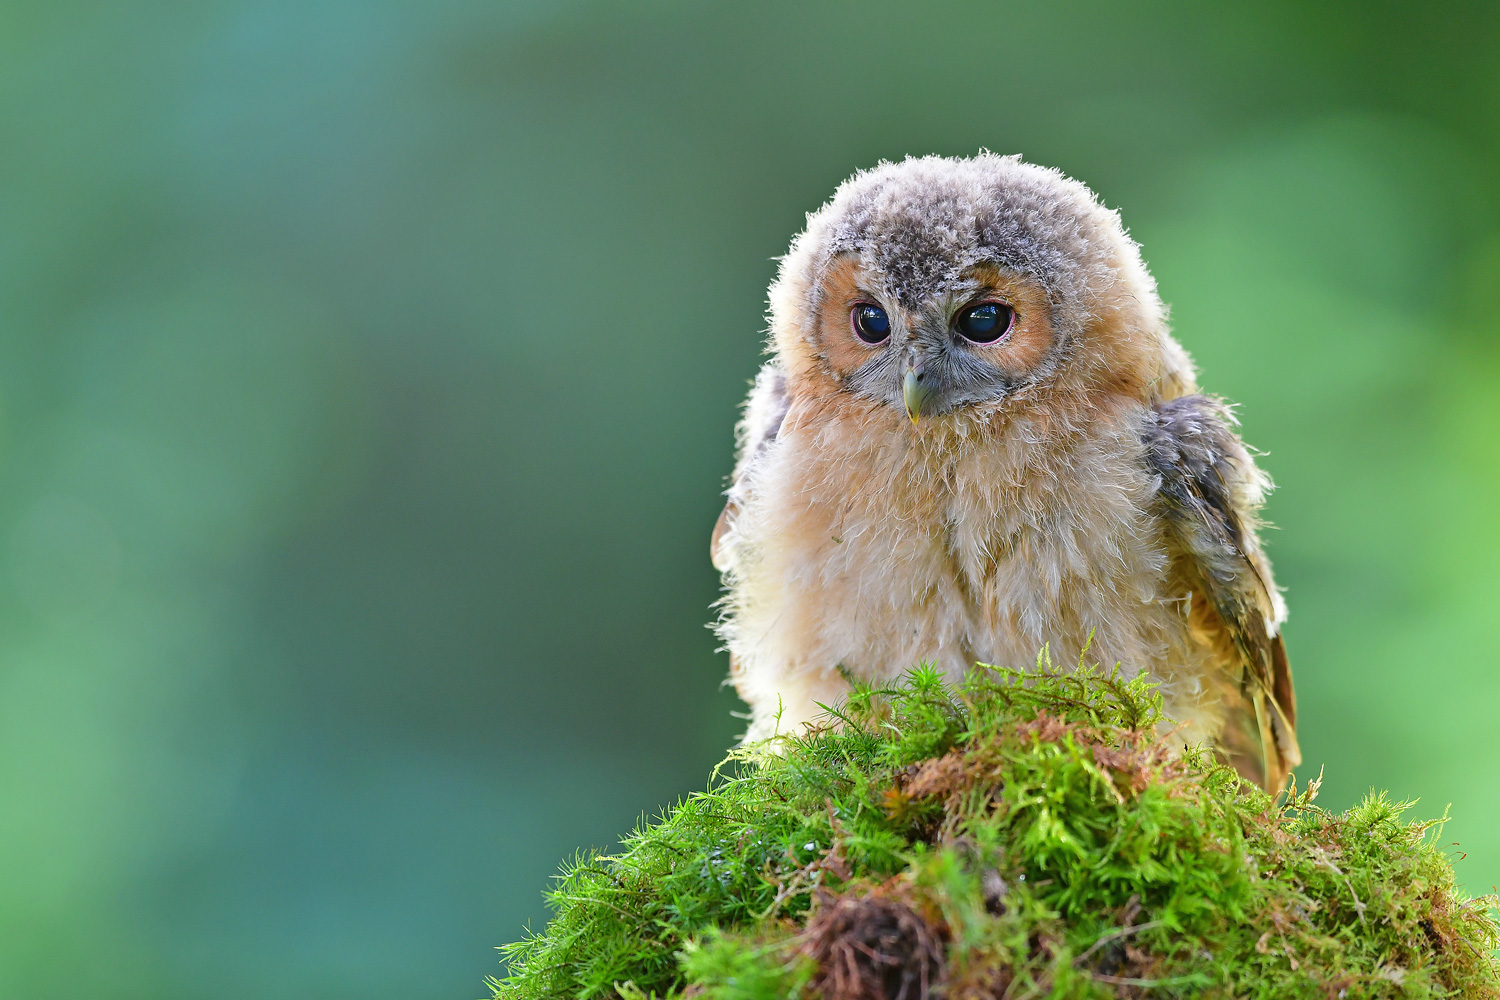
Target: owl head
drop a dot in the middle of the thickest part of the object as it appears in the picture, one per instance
(938, 286)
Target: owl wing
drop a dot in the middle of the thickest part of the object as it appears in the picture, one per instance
(765, 410)
(1210, 493)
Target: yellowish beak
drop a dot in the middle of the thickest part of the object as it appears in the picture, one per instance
(915, 393)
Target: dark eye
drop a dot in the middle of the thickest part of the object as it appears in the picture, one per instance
(984, 323)
(871, 324)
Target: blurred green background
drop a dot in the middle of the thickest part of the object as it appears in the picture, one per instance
(367, 376)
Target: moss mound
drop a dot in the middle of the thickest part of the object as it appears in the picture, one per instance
(1012, 838)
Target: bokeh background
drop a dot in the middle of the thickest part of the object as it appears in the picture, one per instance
(367, 376)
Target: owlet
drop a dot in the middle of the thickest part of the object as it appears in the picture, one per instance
(975, 437)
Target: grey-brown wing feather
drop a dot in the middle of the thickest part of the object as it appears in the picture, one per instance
(1210, 491)
(765, 410)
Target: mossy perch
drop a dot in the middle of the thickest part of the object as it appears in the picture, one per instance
(1019, 836)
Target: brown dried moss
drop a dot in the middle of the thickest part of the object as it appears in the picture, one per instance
(872, 945)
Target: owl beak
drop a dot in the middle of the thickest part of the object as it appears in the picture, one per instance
(915, 392)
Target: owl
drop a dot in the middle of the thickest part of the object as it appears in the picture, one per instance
(975, 438)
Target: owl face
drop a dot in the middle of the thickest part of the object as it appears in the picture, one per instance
(937, 286)
(976, 339)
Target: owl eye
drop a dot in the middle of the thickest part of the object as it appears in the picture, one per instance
(984, 323)
(870, 322)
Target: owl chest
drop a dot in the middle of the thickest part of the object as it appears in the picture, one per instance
(936, 552)
(976, 559)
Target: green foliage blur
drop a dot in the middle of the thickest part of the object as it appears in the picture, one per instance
(367, 374)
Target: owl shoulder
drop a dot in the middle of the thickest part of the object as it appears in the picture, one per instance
(764, 412)
(1207, 474)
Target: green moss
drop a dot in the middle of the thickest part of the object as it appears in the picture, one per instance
(1019, 837)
